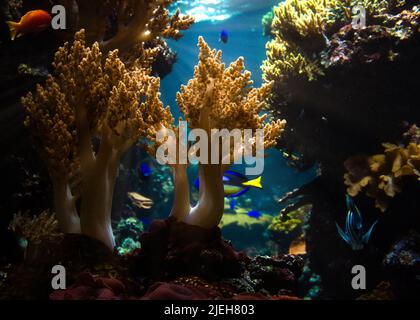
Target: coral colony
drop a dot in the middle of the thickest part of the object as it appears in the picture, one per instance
(300, 185)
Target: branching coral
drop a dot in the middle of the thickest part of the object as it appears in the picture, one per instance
(382, 176)
(300, 28)
(126, 24)
(217, 98)
(83, 120)
(295, 24)
(33, 229)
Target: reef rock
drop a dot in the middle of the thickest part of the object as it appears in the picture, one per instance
(402, 265)
(176, 248)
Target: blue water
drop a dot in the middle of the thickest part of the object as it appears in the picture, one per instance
(246, 40)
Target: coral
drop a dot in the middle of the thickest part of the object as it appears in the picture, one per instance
(267, 21)
(334, 66)
(126, 234)
(382, 176)
(300, 29)
(218, 98)
(295, 24)
(284, 225)
(402, 265)
(243, 220)
(126, 24)
(83, 120)
(278, 275)
(34, 228)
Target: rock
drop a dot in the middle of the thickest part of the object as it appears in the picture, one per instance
(402, 265)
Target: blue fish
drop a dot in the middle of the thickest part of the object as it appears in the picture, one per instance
(354, 231)
(145, 170)
(146, 221)
(254, 214)
(236, 184)
(224, 36)
(232, 204)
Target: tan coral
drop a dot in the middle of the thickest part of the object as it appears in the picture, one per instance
(136, 21)
(218, 98)
(83, 120)
(34, 228)
(382, 176)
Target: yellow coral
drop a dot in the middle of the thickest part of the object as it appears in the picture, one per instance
(299, 28)
(381, 176)
(243, 220)
(83, 119)
(137, 22)
(226, 97)
(218, 98)
(33, 229)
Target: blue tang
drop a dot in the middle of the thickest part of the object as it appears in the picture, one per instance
(224, 36)
(236, 184)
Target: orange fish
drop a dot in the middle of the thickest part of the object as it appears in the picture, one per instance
(32, 22)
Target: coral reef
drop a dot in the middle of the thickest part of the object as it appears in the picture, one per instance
(35, 228)
(217, 98)
(126, 234)
(343, 91)
(382, 176)
(291, 222)
(402, 265)
(310, 83)
(126, 25)
(91, 100)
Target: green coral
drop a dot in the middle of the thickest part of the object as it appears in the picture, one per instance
(267, 21)
(127, 233)
(291, 223)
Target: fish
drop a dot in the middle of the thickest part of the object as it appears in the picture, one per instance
(236, 184)
(32, 22)
(145, 170)
(140, 201)
(232, 204)
(224, 36)
(354, 231)
(254, 214)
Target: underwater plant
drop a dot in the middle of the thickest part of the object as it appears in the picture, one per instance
(382, 176)
(217, 98)
(83, 120)
(33, 228)
(126, 24)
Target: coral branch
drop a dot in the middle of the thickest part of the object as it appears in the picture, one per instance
(83, 120)
(219, 98)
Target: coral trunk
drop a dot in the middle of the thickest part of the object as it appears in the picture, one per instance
(64, 203)
(98, 192)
